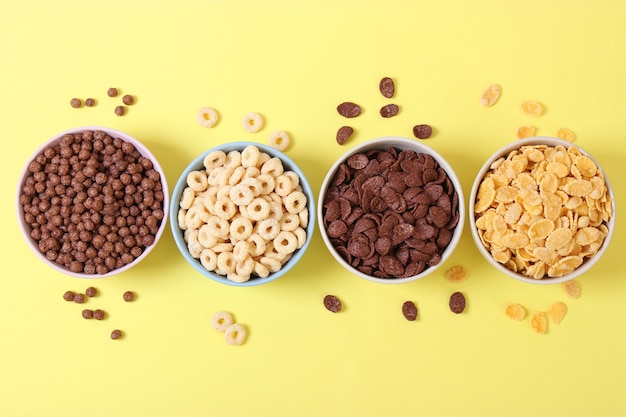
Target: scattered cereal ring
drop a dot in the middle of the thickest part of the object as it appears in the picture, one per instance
(557, 311)
(515, 312)
(532, 108)
(490, 95)
(252, 122)
(207, 116)
(235, 334)
(525, 132)
(221, 320)
(566, 134)
(279, 140)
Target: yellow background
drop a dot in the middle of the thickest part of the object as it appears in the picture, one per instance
(294, 62)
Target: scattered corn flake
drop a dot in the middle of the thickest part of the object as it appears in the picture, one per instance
(457, 273)
(525, 132)
(572, 288)
(557, 311)
(490, 95)
(565, 134)
(532, 108)
(515, 311)
(539, 322)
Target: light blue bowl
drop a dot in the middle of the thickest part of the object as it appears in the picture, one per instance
(197, 164)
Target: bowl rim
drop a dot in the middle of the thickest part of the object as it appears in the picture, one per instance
(379, 143)
(196, 163)
(502, 152)
(142, 148)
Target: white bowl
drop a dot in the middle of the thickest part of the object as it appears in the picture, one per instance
(197, 165)
(26, 228)
(503, 152)
(401, 144)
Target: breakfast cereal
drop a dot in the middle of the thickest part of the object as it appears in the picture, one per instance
(515, 311)
(207, 116)
(343, 134)
(348, 109)
(387, 87)
(543, 210)
(332, 303)
(557, 311)
(525, 132)
(539, 322)
(279, 140)
(252, 122)
(248, 219)
(457, 302)
(490, 95)
(235, 334)
(389, 110)
(456, 273)
(532, 108)
(566, 134)
(221, 320)
(572, 288)
(409, 310)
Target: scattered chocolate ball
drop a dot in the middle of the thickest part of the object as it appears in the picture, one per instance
(76, 103)
(91, 292)
(116, 334)
(99, 314)
(120, 110)
(90, 102)
(68, 296)
(79, 298)
(88, 314)
(129, 296)
(128, 99)
(112, 92)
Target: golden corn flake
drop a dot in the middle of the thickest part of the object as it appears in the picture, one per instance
(542, 210)
(515, 312)
(565, 134)
(456, 274)
(490, 95)
(557, 311)
(539, 322)
(532, 108)
(572, 288)
(525, 132)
